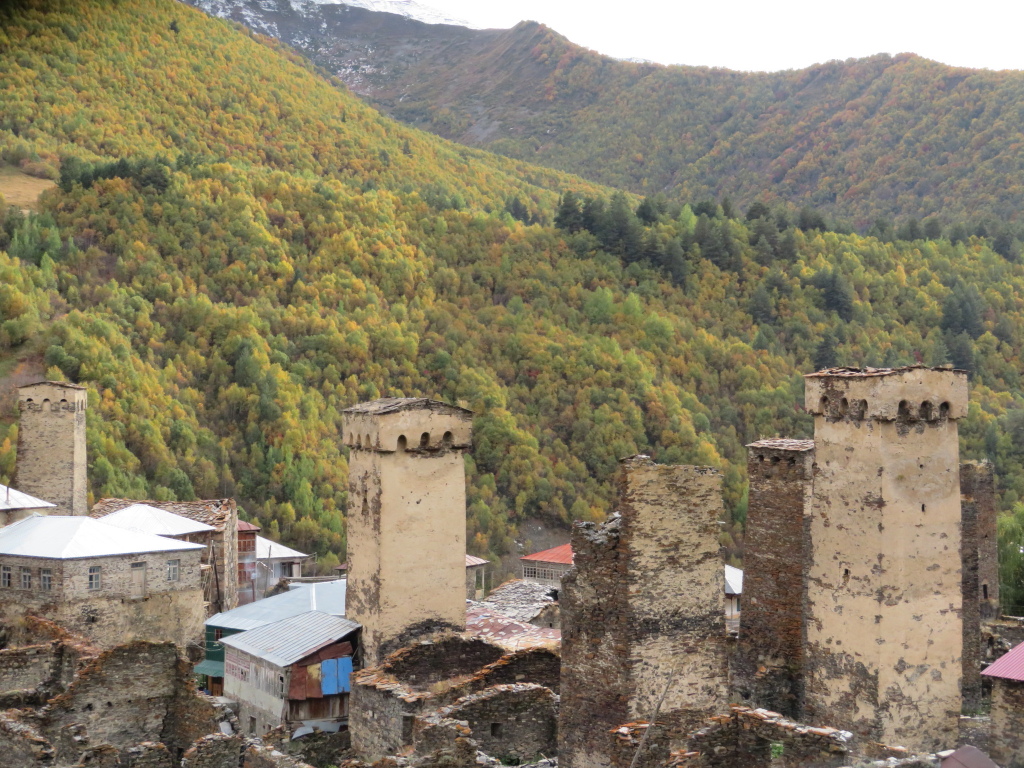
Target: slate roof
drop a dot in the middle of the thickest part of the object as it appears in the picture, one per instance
(60, 537)
(394, 404)
(783, 444)
(472, 560)
(324, 596)
(562, 554)
(286, 641)
(862, 373)
(733, 581)
(487, 624)
(142, 518)
(271, 550)
(215, 512)
(1009, 666)
(520, 599)
(65, 384)
(11, 499)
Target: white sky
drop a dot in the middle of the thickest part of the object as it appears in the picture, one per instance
(771, 34)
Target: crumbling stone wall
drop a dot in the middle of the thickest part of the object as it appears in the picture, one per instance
(406, 518)
(643, 612)
(536, 665)
(768, 665)
(30, 675)
(518, 721)
(885, 556)
(1006, 744)
(425, 663)
(381, 714)
(978, 491)
(21, 743)
(51, 463)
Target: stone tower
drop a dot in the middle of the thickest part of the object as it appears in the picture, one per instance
(884, 594)
(643, 614)
(51, 460)
(768, 668)
(406, 520)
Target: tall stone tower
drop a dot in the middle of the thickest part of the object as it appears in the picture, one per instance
(768, 668)
(51, 460)
(884, 593)
(643, 614)
(406, 520)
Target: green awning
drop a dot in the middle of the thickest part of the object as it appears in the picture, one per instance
(210, 668)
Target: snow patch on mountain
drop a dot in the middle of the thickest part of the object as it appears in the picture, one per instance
(254, 13)
(408, 8)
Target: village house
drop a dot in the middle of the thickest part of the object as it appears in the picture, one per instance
(477, 577)
(1007, 676)
(105, 583)
(272, 562)
(291, 672)
(15, 506)
(326, 597)
(733, 592)
(222, 516)
(548, 566)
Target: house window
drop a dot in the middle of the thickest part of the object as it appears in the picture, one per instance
(252, 725)
(280, 686)
(496, 730)
(95, 576)
(5, 576)
(173, 570)
(984, 591)
(26, 578)
(45, 579)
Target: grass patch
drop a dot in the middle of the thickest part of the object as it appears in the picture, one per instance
(20, 189)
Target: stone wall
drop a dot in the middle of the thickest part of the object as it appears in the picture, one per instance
(381, 713)
(536, 665)
(643, 611)
(517, 722)
(406, 518)
(884, 630)
(32, 674)
(978, 490)
(1006, 745)
(425, 663)
(51, 463)
(768, 665)
(970, 685)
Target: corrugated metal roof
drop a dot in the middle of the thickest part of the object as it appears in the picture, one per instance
(284, 642)
(11, 499)
(325, 596)
(733, 581)
(271, 550)
(1009, 666)
(562, 554)
(61, 537)
(244, 525)
(968, 757)
(472, 560)
(144, 518)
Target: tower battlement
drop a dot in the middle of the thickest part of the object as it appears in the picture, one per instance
(912, 393)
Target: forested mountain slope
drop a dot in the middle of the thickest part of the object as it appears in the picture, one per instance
(862, 139)
(238, 250)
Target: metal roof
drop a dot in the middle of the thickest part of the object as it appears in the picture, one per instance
(472, 560)
(60, 537)
(284, 642)
(11, 499)
(325, 596)
(245, 525)
(968, 757)
(143, 518)
(271, 550)
(733, 581)
(395, 404)
(1009, 666)
(562, 554)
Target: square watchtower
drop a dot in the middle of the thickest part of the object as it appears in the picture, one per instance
(51, 460)
(406, 520)
(884, 598)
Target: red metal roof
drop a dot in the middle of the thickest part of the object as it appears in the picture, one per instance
(472, 560)
(244, 526)
(1010, 666)
(562, 554)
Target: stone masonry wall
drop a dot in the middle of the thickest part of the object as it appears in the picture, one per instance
(381, 714)
(978, 489)
(29, 675)
(643, 612)
(1006, 746)
(424, 663)
(51, 463)
(885, 591)
(768, 667)
(518, 721)
(971, 614)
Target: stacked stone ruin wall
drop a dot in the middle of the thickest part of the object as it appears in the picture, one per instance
(971, 685)
(769, 661)
(423, 664)
(381, 718)
(1006, 743)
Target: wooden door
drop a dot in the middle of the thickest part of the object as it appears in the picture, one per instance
(138, 580)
